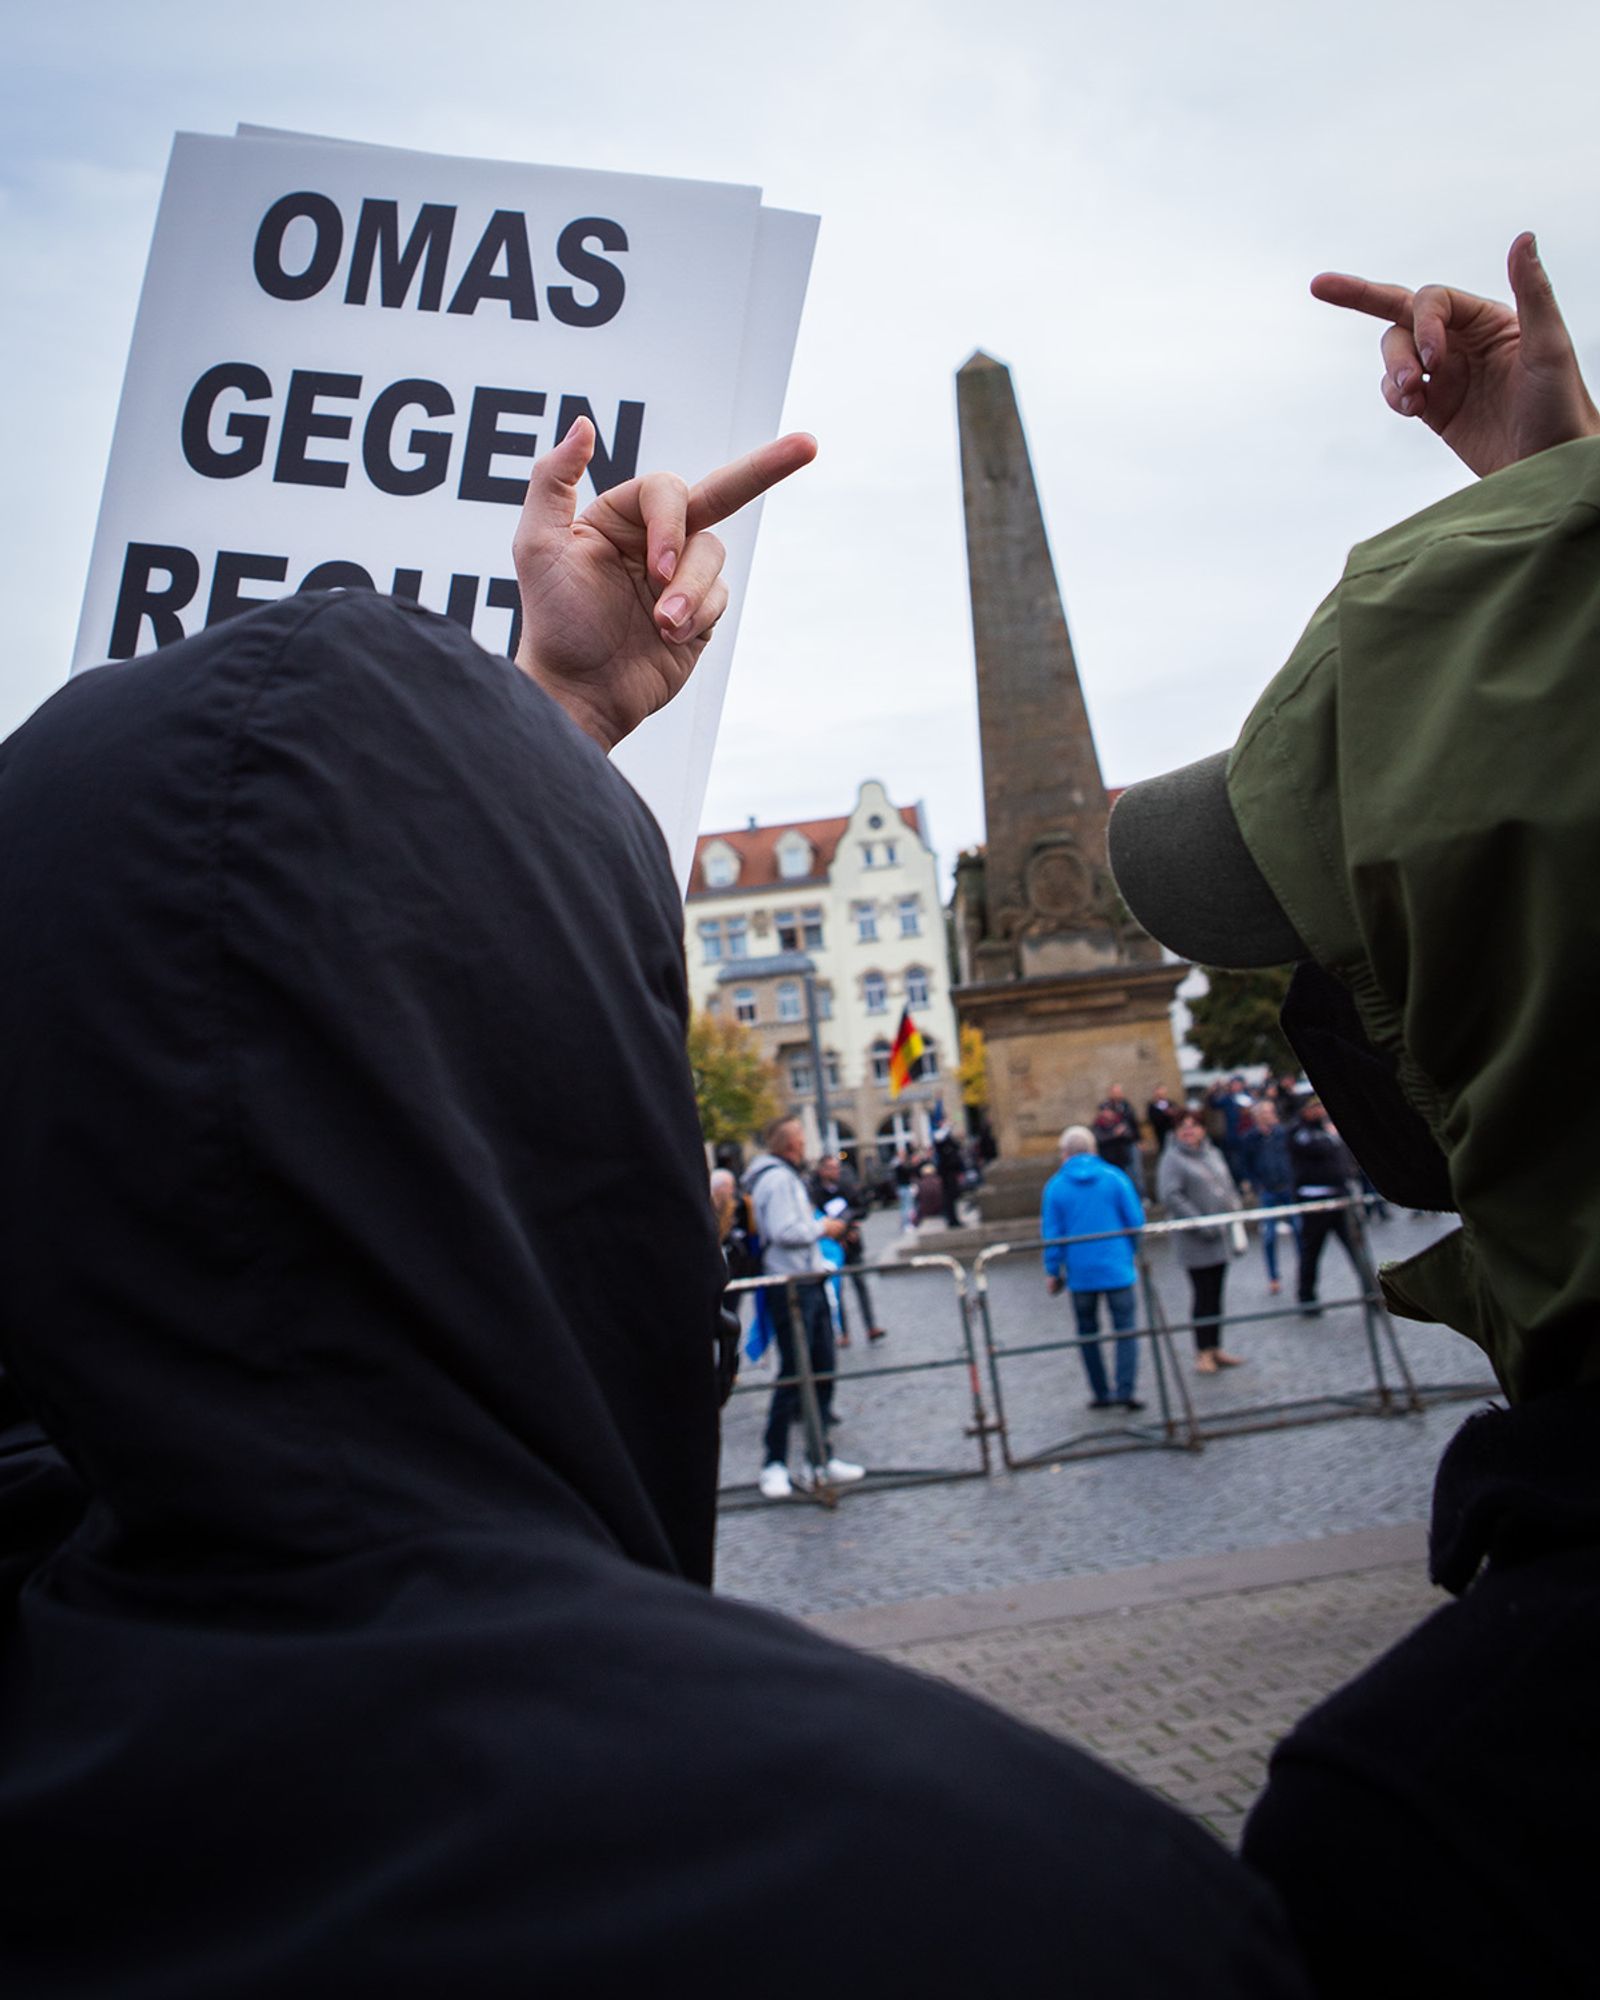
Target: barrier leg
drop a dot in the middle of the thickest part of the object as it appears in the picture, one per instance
(980, 1291)
(810, 1406)
(980, 1427)
(1164, 1356)
(1376, 1317)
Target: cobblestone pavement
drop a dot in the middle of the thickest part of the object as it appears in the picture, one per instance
(1246, 1492)
(1186, 1697)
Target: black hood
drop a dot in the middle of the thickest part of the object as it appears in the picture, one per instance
(348, 1159)
(357, 1252)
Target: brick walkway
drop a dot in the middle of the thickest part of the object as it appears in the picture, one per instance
(1181, 1674)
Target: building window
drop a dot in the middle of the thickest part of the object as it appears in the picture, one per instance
(916, 986)
(880, 1061)
(875, 992)
(799, 929)
(710, 942)
(891, 853)
(744, 1004)
(930, 1060)
(720, 867)
(865, 916)
(824, 1003)
(800, 1075)
(789, 1008)
(869, 854)
(910, 917)
(738, 945)
(794, 857)
(830, 1069)
(894, 1136)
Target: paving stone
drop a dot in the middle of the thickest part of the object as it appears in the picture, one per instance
(1094, 1515)
(1209, 1764)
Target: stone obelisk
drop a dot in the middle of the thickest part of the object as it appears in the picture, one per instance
(1070, 994)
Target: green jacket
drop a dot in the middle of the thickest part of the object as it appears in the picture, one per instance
(1420, 785)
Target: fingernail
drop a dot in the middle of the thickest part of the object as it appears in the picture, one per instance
(1408, 406)
(1429, 355)
(1402, 381)
(674, 610)
(1533, 249)
(666, 563)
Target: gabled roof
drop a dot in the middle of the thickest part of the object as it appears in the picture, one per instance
(757, 849)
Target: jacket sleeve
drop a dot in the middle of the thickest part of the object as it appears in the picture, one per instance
(1050, 1224)
(1129, 1207)
(784, 1212)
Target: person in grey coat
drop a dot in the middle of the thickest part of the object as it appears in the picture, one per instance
(1193, 1179)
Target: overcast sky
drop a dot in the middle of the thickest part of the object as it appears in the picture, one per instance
(1126, 211)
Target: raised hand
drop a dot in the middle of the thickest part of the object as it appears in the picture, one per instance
(618, 603)
(1497, 383)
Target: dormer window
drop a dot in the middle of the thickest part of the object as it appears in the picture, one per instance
(720, 866)
(794, 857)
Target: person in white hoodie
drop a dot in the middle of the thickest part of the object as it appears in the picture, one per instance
(790, 1230)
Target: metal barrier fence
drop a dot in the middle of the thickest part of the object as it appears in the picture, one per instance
(1390, 1391)
(1387, 1386)
(964, 1360)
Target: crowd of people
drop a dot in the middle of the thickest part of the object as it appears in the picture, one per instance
(1229, 1148)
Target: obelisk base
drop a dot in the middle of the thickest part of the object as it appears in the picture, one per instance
(1055, 1042)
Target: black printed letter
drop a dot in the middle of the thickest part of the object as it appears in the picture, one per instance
(234, 568)
(378, 234)
(251, 432)
(302, 421)
(611, 467)
(329, 225)
(576, 258)
(486, 441)
(432, 447)
(508, 232)
(136, 600)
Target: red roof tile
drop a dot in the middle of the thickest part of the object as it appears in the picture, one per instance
(757, 849)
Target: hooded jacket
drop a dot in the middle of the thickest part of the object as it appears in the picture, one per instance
(357, 1436)
(1417, 786)
(1083, 1197)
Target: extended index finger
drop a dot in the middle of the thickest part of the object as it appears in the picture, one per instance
(731, 487)
(1362, 295)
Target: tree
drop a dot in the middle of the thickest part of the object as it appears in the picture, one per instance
(974, 1067)
(1235, 1023)
(736, 1089)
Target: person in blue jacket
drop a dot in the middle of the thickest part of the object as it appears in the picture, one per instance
(1084, 1196)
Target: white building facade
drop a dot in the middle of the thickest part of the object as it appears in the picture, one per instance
(852, 906)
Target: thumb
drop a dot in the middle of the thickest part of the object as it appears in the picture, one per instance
(1544, 331)
(552, 497)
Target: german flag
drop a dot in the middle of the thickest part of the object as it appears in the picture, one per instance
(905, 1058)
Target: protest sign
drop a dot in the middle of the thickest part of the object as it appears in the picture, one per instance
(347, 357)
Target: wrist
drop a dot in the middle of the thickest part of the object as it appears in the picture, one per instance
(585, 713)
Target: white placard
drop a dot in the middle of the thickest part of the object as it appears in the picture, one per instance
(346, 358)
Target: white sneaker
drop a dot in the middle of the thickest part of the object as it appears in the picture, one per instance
(775, 1482)
(837, 1472)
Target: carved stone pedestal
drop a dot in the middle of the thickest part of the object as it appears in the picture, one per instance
(1055, 1041)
